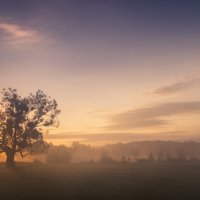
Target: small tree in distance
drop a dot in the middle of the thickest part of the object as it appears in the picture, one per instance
(23, 121)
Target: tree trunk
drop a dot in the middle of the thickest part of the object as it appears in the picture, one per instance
(10, 163)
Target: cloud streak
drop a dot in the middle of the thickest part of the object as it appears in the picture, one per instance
(152, 116)
(14, 34)
(176, 87)
(108, 138)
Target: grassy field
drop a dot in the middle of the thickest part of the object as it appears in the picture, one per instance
(101, 181)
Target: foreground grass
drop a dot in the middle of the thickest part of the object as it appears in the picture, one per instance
(101, 181)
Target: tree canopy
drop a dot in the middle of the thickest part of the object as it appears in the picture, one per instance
(23, 121)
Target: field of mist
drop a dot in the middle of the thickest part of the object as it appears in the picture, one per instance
(142, 151)
(135, 170)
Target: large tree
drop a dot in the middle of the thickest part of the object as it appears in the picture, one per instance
(23, 121)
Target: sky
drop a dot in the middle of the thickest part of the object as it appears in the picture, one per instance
(120, 70)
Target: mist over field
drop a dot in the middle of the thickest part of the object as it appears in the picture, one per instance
(102, 180)
(132, 152)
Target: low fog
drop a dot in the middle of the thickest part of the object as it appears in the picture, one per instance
(142, 151)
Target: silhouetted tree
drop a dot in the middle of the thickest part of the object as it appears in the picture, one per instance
(160, 155)
(181, 156)
(105, 157)
(58, 154)
(169, 157)
(23, 121)
(123, 159)
(151, 157)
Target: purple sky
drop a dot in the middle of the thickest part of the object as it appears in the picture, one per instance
(114, 66)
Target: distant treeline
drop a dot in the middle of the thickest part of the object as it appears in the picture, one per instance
(144, 151)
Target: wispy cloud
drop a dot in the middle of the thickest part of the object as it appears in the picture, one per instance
(177, 86)
(107, 138)
(152, 116)
(14, 34)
